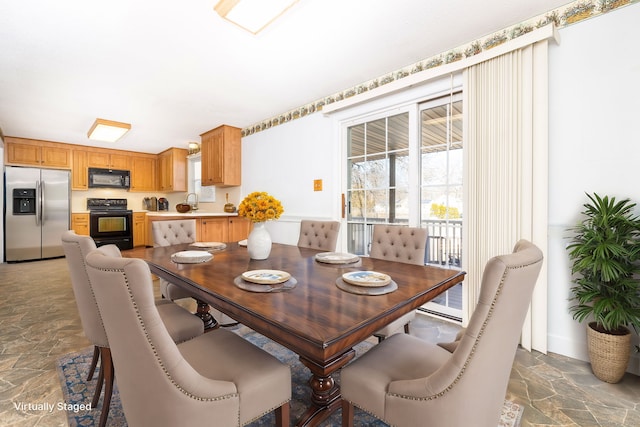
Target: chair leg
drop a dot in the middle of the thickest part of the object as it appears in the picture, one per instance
(107, 367)
(100, 381)
(347, 413)
(282, 415)
(94, 362)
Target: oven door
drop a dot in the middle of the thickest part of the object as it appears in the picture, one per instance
(114, 227)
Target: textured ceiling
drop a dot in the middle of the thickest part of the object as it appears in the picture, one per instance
(176, 69)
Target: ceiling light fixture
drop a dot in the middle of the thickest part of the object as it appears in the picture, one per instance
(252, 15)
(107, 130)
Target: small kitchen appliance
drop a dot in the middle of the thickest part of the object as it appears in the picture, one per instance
(109, 178)
(163, 204)
(150, 204)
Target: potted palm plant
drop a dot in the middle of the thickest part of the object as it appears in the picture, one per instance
(604, 252)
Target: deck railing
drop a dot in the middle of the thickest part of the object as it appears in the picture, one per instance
(444, 239)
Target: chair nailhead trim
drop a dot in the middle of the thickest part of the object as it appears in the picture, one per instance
(475, 344)
(155, 352)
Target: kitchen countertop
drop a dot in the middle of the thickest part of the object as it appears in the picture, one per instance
(188, 214)
(174, 213)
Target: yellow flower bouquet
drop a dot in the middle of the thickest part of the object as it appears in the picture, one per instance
(260, 206)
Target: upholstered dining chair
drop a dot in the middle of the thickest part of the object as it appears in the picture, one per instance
(167, 233)
(401, 244)
(217, 378)
(174, 232)
(322, 235)
(406, 381)
(181, 324)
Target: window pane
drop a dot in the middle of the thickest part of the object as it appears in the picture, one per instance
(434, 126)
(455, 167)
(377, 172)
(355, 205)
(357, 176)
(399, 165)
(456, 123)
(355, 141)
(376, 136)
(398, 131)
(377, 204)
(434, 168)
(400, 202)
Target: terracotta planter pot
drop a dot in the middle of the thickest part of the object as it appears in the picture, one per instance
(609, 354)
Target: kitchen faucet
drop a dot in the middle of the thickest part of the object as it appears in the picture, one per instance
(194, 206)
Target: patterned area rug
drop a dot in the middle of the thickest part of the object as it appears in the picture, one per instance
(73, 369)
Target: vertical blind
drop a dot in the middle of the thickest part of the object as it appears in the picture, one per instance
(506, 134)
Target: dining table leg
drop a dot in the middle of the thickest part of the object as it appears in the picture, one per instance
(325, 393)
(203, 312)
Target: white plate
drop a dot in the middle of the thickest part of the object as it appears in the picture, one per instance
(267, 277)
(337, 258)
(191, 257)
(209, 245)
(263, 287)
(364, 290)
(242, 242)
(371, 279)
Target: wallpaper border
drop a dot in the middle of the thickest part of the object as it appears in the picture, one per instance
(564, 16)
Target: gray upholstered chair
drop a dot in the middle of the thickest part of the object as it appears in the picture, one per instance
(175, 232)
(181, 324)
(217, 378)
(322, 235)
(167, 233)
(401, 244)
(406, 381)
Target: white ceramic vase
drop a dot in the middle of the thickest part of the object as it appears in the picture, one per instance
(259, 241)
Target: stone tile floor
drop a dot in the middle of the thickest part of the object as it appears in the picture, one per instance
(39, 322)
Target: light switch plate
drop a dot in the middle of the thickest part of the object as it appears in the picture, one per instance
(317, 185)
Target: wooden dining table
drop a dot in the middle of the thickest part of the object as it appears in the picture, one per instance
(316, 319)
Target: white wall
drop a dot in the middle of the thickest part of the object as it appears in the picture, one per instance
(593, 144)
(284, 161)
(594, 106)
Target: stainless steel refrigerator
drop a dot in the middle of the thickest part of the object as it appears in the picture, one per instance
(37, 204)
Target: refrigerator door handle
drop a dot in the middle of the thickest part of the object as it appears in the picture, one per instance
(39, 194)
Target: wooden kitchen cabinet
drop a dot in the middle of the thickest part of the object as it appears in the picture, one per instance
(31, 152)
(79, 170)
(219, 228)
(172, 170)
(239, 228)
(221, 156)
(139, 228)
(214, 229)
(80, 223)
(143, 173)
(108, 159)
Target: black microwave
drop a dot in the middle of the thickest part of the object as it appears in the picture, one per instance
(109, 178)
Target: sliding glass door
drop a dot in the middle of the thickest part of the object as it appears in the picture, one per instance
(377, 178)
(405, 168)
(441, 190)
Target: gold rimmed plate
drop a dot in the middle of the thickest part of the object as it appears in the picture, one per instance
(371, 279)
(266, 277)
